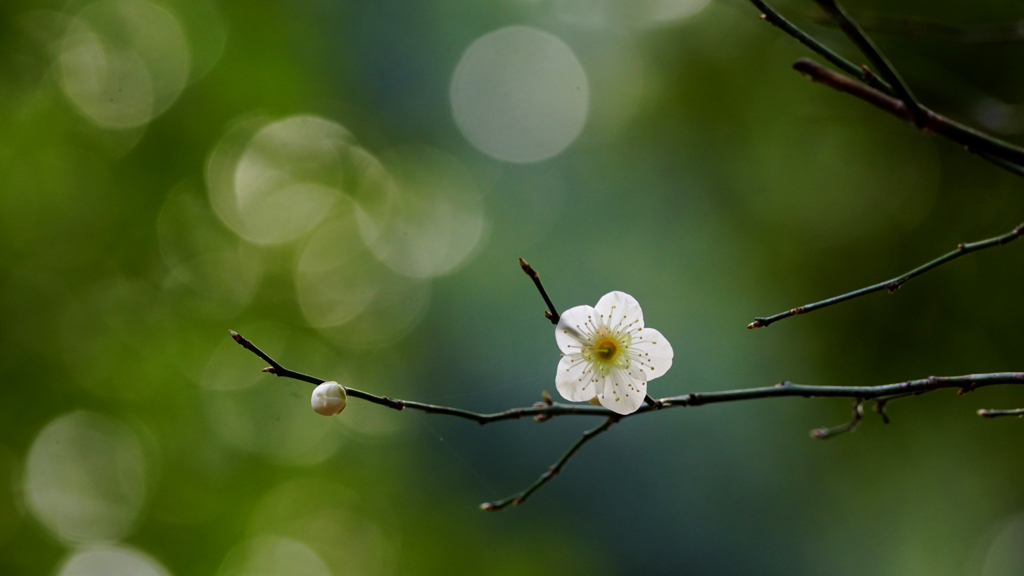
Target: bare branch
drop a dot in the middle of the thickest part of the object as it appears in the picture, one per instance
(1018, 413)
(520, 497)
(552, 313)
(875, 56)
(893, 284)
(768, 14)
(976, 141)
(998, 152)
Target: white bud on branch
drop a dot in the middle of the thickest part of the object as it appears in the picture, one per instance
(329, 399)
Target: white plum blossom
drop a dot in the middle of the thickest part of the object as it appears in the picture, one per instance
(329, 398)
(608, 354)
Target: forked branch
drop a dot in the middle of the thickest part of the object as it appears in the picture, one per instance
(890, 98)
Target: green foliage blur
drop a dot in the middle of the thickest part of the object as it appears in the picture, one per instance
(375, 207)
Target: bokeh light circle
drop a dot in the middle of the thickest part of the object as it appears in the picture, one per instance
(273, 556)
(85, 477)
(352, 534)
(520, 95)
(273, 182)
(290, 177)
(1005, 555)
(653, 12)
(111, 561)
(221, 271)
(624, 13)
(423, 215)
(124, 62)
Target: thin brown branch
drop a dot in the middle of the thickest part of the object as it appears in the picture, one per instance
(1017, 413)
(768, 14)
(998, 152)
(551, 313)
(975, 140)
(893, 284)
(520, 497)
(875, 56)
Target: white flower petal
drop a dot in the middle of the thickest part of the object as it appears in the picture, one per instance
(574, 327)
(619, 310)
(622, 394)
(652, 352)
(575, 379)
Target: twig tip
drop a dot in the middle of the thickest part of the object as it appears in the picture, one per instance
(754, 324)
(489, 506)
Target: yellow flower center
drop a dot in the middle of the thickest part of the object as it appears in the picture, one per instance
(607, 349)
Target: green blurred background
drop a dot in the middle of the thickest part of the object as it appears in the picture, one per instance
(349, 185)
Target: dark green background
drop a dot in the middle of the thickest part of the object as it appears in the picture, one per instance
(736, 189)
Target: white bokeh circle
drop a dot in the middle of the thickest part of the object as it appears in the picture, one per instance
(111, 561)
(124, 62)
(520, 95)
(420, 212)
(85, 477)
(273, 556)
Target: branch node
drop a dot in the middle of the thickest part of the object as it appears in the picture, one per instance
(880, 408)
(547, 397)
(868, 76)
(654, 404)
(971, 387)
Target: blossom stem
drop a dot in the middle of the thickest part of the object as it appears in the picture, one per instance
(893, 284)
(520, 497)
(551, 313)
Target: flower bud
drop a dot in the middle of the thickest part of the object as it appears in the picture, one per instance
(329, 398)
